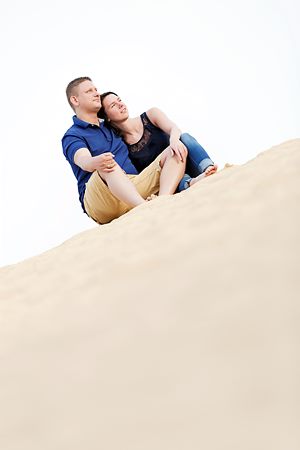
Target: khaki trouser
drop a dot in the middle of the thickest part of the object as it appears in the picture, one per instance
(102, 206)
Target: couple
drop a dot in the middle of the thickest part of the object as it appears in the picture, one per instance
(121, 162)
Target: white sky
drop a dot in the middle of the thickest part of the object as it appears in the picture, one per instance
(226, 71)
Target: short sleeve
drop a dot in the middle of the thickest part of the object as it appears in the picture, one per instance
(70, 146)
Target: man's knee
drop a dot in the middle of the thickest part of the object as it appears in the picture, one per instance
(165, 154)
(116, 169)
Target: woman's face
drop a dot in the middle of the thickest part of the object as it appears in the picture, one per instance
(115, 110)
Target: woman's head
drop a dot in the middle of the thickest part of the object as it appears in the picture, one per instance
(113, 109)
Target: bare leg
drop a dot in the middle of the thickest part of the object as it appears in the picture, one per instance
(121, 186)
(171, 173)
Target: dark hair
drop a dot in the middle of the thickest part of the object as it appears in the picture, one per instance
(101, 112)
(73, 84)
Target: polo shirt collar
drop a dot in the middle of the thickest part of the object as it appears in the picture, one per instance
(82, 123)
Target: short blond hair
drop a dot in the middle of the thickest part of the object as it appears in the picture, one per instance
(72, 85)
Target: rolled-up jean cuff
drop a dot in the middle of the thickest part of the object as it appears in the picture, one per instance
(205, 163)
(184, 183)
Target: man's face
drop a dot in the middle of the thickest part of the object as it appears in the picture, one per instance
(86, 97)
(116, 110)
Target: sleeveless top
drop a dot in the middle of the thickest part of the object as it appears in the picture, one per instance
(152, 143)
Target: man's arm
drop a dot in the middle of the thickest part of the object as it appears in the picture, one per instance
(89, 163)
(162, 121)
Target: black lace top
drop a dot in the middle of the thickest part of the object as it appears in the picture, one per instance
(151, 144)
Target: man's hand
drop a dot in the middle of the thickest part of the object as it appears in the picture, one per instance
(178, 148)
(104, 163)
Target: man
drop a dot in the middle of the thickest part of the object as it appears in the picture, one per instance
(108, 183)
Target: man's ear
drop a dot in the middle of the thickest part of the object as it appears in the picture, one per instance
(74, 100)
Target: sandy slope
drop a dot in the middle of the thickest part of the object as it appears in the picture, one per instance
(175, 327)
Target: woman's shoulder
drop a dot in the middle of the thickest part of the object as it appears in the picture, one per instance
(151, 115)
(153, 112)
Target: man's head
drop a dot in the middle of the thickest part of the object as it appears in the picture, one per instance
(83, 96)
(112, 109)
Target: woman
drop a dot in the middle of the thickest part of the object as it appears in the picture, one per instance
(150, 133)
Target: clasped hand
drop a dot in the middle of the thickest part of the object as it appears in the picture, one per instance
(105, 162)
(178, 149)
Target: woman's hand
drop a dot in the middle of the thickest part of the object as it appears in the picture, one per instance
(178, 148)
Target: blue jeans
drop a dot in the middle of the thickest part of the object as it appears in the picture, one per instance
(197, 160)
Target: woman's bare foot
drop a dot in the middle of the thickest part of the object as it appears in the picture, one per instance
(209, 171)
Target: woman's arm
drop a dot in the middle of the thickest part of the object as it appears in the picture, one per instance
(162, 121)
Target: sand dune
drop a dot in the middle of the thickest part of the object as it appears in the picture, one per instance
(175, 327)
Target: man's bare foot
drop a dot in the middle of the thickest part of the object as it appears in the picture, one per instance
(151, 197)
(209, 171)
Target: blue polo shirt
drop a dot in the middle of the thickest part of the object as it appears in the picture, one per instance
(98, 140)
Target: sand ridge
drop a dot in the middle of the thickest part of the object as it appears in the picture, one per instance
(173, 327)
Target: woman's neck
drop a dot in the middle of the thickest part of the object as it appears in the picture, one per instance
(130, 127)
